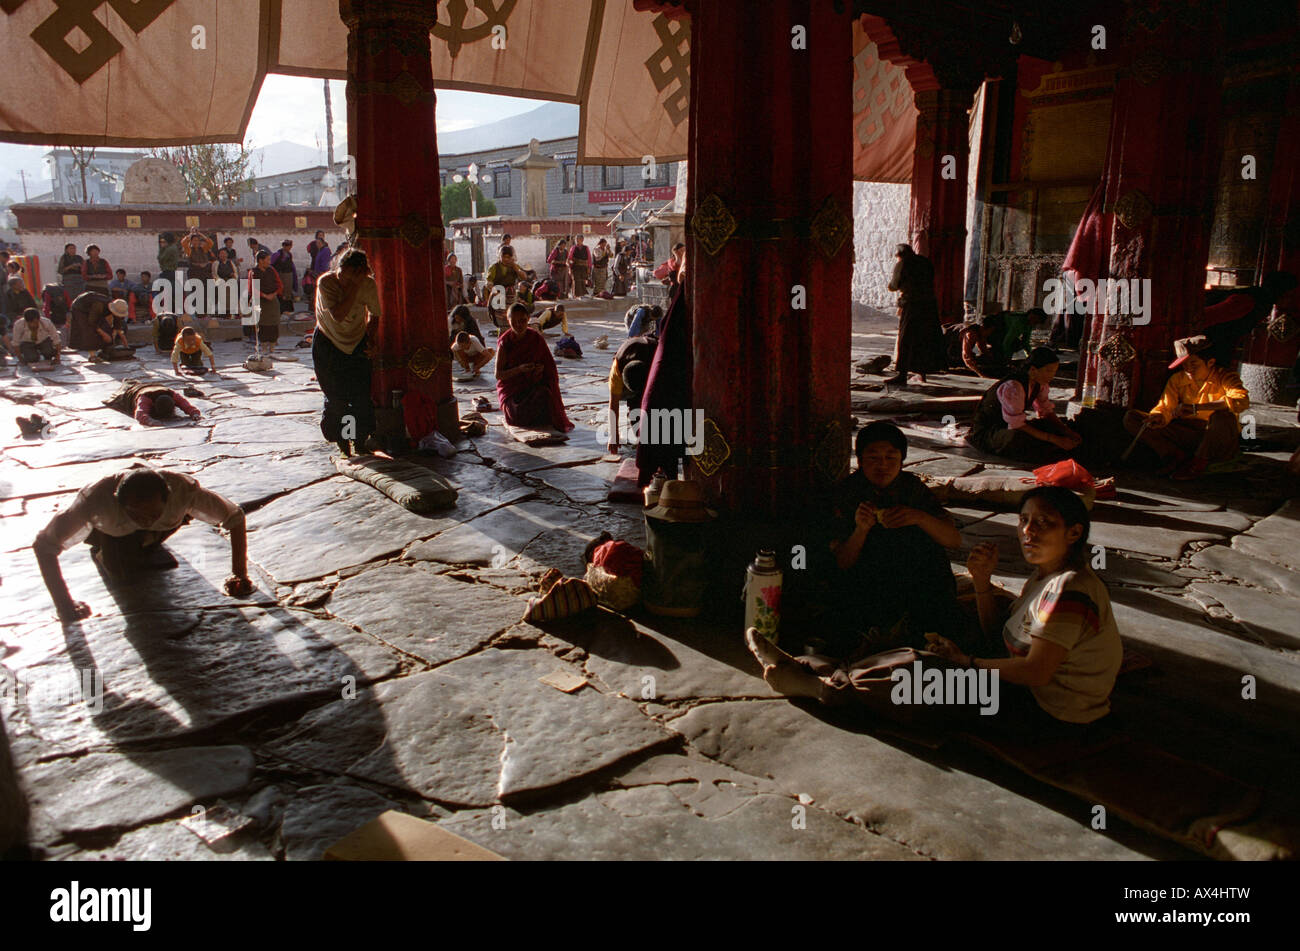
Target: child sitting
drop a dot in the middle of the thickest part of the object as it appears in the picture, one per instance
(189, 352)
(470, 353)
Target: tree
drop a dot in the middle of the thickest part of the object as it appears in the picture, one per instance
(81, 159)
(214, 174)
(456, 203)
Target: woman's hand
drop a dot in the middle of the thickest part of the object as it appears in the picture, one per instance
(900, 516)
(865, 516)
(946, 649)
(981, 561)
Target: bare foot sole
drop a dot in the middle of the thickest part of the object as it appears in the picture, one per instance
(780, 670)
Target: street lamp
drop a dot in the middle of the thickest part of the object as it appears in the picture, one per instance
(473, 178)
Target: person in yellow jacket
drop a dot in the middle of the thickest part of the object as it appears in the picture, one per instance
(189, 352)
(1196, 421)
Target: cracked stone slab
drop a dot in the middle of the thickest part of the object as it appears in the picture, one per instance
(434, 617)
(246, 481)
(171, 672)
(497, 537)
(473, 732)
(18, 481)
(168, 842)
(1126, 570)
(509, 454)
(1233, 563)
(271, 430)
(318, 816)
(623, 653)
(1269, 616)
(938, 811)
(652, 823)
(1274, 537)
(115, 790)
(114, 444)
(1164, 535)
(334, 524)
(1203, 665)
(583, 484)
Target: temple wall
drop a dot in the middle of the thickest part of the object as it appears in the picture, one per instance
(880, 214)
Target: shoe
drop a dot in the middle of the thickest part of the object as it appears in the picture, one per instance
(899, 380)
(1191, 470)
(343, 447)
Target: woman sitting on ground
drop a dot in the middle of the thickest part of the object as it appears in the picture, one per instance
(462, 321)
(896, 576)
(528, 385)
(1002, 425)
(1060, 641)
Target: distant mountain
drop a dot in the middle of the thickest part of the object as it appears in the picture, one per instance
(554, 120)
(284, 157)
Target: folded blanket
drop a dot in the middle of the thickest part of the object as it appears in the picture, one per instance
(413, 487)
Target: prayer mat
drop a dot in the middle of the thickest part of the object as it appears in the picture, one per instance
(625, 488)
(1150, 788)
(413, 487)
(999, 490)
(536, 437)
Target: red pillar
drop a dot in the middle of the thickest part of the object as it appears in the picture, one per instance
(937, 224)
(769, 215)
(1161, 167)
(399, 213)
(1277, 345)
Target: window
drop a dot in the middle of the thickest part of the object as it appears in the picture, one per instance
(501, 183)
(660, 176)
(612, 177)
(443, 179)
(572, 176)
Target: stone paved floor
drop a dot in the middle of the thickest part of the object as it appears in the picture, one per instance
(382, 664)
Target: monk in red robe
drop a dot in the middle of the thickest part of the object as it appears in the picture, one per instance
(528, 385)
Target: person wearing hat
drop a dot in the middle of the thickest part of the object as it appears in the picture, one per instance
(36, 338)
(189, 352)
(110, 328)
(1196, 421)
(889, 547)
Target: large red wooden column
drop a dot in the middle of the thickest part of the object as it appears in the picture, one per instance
(770, 248)
(937, 223)
(1276, 342)
(399, 214)
(1161, 167)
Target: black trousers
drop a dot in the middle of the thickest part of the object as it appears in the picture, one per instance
(345, 381)
(122, 553)
(31, 352)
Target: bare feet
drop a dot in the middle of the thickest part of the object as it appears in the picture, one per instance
(780, 670)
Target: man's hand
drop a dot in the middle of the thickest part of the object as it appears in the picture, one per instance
(196, 415)
(1186, 410)
(1156, 421)
(900, 516)
(238, 586)
(74, 611)
(981, 561)
(864, 518)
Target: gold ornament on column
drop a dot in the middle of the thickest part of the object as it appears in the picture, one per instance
(712, 224)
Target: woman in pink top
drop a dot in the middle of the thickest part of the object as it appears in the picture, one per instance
(1002, 425)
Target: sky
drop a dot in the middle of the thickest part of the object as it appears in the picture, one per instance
(289, 108)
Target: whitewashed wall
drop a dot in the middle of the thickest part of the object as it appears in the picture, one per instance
(880, 214)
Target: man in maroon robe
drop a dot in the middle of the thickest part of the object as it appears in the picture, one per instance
(528, 385)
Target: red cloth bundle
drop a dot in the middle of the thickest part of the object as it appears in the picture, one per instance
(621, 559)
